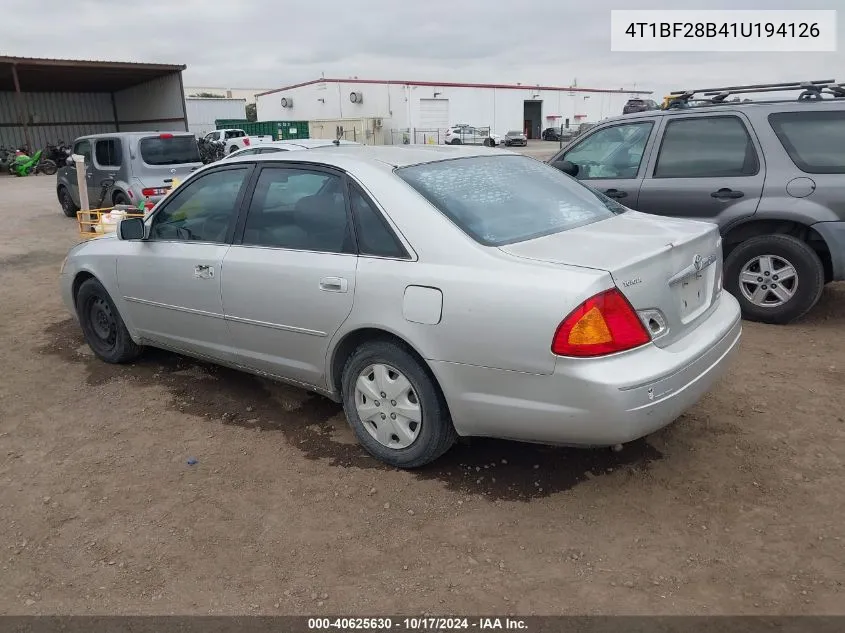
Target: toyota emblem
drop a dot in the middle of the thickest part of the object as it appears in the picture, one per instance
(173, 171)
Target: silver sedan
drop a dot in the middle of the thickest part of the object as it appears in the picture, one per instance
(435, 291)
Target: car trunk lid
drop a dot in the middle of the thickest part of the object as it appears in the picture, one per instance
(670, 270)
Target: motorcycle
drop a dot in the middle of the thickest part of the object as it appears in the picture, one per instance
(210, 151)
(57, 153)
(24, 165)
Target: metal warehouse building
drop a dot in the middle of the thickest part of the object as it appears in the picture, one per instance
(203, 112)
(44, 100)
(375, 111)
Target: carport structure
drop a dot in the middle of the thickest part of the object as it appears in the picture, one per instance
(46, 100)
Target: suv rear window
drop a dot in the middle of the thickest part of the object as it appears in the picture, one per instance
(815, 141)
(169, 150)
(499, 200)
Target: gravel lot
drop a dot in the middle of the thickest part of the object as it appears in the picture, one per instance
(736, 508)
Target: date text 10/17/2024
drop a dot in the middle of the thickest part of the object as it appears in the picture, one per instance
(417, 624)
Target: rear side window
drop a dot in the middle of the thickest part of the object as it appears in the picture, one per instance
(500, 200)
(169, 150)
(108, 152)
(707, 147)
(815, 141)
(374, 235)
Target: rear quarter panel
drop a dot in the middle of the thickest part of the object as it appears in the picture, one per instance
(498, 311)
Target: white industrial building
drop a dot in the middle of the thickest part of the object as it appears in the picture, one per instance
(202, 112)
(383, 111)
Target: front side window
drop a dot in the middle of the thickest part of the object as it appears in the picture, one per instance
(814, 140)
(203, 210)
(707, 147)
(613, 152)
(83, 148)
(108, 152)
(500, 200)
(298, 209)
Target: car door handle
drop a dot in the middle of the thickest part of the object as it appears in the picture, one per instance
(727, 194)
(203, 271)
(615, 193)
(333, 284)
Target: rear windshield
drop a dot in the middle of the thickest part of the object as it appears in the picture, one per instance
(173, 150)
(815, 141)
(500, 200)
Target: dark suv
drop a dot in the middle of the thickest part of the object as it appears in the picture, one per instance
(639, 105)
(771, 174)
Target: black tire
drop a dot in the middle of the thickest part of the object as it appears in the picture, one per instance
(119, 198)
(436, 432)
(69, 208)
(234, 148)
(102, 325)
(456, 141)
(48, 167)
(809, 277)
(489, 142)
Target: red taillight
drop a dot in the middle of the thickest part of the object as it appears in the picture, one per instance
(603, 324)
(165, 136)
(246, 141)
(154, 191)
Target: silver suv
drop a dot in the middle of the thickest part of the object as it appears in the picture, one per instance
(770, 174)
(139, 167)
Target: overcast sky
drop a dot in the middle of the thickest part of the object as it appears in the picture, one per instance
(268, 44)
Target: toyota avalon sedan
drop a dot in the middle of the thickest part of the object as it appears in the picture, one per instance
(434, 291)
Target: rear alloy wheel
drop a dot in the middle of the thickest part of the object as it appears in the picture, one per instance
(775, 278)
(102, 325)
(68, 206)
(394, 406)
(119, 198)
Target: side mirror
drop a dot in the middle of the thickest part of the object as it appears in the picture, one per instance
(131, 229)
(566, 167)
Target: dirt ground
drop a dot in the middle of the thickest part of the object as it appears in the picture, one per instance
(737, 508)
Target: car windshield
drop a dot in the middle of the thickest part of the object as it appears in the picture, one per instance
(513, 133)
(500, 200)
(169, 150)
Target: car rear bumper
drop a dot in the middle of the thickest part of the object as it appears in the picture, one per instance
(594, 402)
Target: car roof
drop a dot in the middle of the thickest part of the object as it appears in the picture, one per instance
(763, 106)
(310, 142)
(130, 134)
(383, 155)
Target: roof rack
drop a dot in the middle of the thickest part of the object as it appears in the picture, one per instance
(810, 91)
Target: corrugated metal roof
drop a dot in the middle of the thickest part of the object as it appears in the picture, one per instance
(56, 61)
(451, 84)
(36, 74)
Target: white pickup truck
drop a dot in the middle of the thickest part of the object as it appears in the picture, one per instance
(234, 139)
